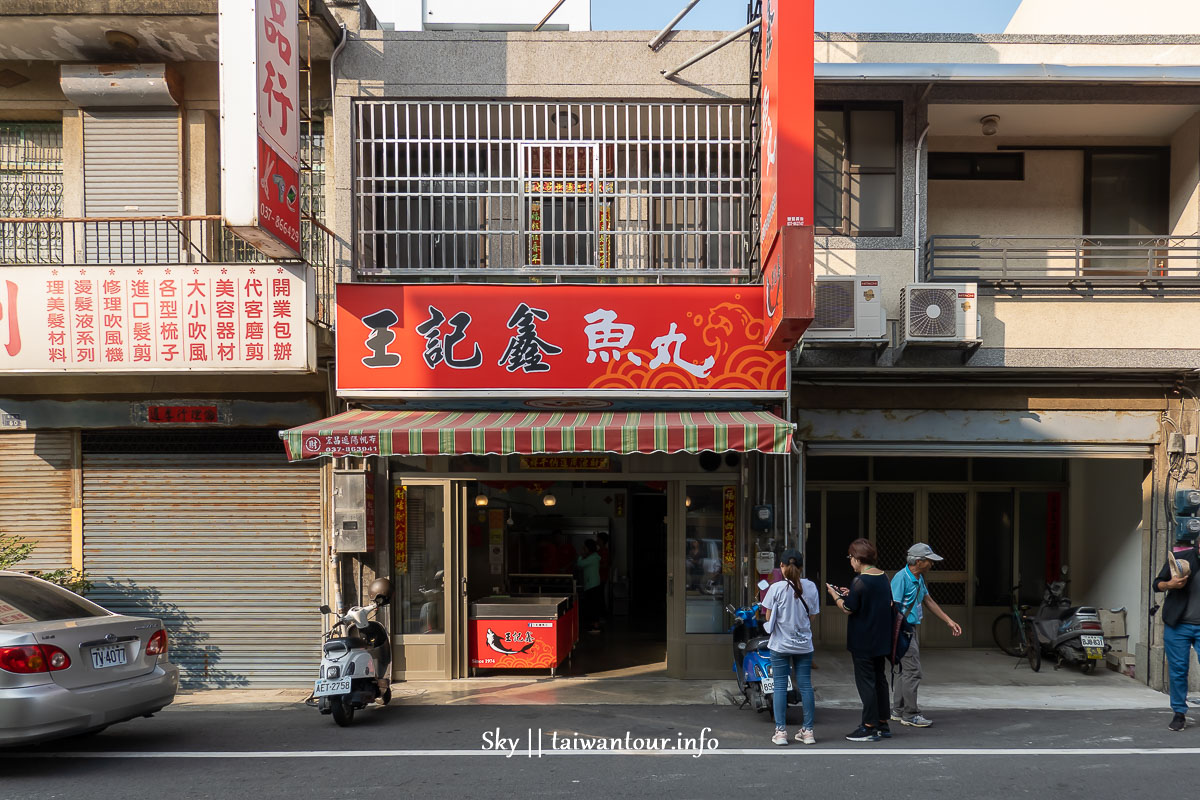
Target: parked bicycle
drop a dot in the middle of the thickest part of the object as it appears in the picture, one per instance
(1014, 634)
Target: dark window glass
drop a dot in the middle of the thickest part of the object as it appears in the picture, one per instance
(844, 523)
(836, 468)
(976, 166)
(812, 545)
(1050, 470)
(993, 548)
(37, 601)
(912, 469)
(857, 170)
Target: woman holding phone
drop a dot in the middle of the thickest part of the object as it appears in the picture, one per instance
(868, 601)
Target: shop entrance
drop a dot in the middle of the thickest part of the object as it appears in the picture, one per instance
(525, 539)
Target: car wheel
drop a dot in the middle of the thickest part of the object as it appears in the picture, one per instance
(343, 712)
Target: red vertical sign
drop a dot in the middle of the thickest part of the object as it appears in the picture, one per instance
(786, 178)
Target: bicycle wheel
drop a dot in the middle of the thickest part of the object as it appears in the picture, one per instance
(1007, 635)
(1033, 650)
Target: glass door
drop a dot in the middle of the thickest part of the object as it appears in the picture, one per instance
(700, 580)
(429, 606)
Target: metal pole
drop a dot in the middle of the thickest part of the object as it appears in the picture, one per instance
(657, 40)
(538, 27)
(712, 48)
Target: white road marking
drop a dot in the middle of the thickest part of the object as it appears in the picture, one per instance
(1098, 752)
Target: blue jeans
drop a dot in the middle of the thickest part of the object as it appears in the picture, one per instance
(781, 668)
(1177, 640)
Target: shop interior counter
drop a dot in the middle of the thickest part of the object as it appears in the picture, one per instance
(526, 632)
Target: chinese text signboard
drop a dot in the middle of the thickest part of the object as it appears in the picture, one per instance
(167, 319)
(728, 529)
(788, 120)
(400, 529)
(566, 463)
(514, 341)
(260, 122)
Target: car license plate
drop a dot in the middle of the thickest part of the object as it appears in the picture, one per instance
(112, 655)
(326, 688)
(1091, 641)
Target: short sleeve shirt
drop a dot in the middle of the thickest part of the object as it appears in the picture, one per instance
(789, 624)
(910, 592)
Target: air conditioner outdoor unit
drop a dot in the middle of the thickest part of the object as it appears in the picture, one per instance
(939, 312)
(847, 307)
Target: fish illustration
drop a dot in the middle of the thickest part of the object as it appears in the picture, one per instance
(494, 642)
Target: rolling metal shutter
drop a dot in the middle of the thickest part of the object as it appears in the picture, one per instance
(35, 495)
(224, 547)
(131, 163)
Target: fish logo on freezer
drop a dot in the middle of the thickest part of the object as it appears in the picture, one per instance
(494, 642)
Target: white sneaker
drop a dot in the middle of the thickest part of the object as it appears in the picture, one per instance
(917, 721)
(779, 738)
(806, 736)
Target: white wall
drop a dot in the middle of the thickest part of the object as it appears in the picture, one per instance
(1105, 544)
(1048, 202)
(510, 15)
(1097, 17)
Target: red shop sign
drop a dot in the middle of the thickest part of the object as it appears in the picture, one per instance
(786, 177)
(428, 340)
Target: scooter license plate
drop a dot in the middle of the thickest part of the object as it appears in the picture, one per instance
(769, 685)
(1091, 641)
(326, 688)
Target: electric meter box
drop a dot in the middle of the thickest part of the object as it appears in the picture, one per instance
(350, 512)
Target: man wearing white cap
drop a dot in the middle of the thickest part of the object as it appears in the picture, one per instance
(911, 594)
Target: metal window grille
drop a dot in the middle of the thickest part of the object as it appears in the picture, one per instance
(31, 186)
(948, 529)
(465, 189)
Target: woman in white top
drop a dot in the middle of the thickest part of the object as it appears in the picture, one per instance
(790, 606)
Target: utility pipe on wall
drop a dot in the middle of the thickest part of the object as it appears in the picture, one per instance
(917, 243)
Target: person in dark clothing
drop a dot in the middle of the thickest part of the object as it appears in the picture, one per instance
(868, 601)
(1181, 620)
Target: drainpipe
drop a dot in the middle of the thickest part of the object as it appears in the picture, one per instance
(917, 243)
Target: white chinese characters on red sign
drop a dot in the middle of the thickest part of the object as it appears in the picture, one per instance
(361, 444)
(278, 120)
(128, 319)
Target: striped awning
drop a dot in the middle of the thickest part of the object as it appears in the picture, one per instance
(387, 433)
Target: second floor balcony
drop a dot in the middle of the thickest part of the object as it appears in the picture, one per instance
(596, 192)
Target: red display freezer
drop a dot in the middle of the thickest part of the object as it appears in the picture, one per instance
(522, 632)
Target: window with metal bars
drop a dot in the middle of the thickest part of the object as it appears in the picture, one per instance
(31, 187)
(442, 189)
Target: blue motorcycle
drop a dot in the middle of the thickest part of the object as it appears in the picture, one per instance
(752, 662)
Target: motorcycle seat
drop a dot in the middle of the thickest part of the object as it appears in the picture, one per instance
(349, 642)
(758, 643)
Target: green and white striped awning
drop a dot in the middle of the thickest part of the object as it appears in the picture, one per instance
(387, 433)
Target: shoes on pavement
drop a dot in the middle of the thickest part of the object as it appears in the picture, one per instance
(780, 737)
(1178, 722)
(806, 736)
(863, 734)
(896, 717)
(885, 730)
(917, 721)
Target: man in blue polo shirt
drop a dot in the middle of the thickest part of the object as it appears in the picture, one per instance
(911, 594)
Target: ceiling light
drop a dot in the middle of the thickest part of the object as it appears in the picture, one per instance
(481, 500)
(549, 501)
(687, 502)
(989, 124)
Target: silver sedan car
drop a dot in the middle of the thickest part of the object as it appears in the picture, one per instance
(68, 666)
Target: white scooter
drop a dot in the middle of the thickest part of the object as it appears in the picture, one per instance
(356, 667)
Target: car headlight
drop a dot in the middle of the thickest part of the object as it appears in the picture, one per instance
(332, 672)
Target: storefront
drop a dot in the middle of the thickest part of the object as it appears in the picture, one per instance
(659, 447)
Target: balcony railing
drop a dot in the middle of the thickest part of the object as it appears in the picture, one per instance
(197, 239)
(1063, 260)
(461, 190)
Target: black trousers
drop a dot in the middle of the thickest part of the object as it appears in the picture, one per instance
(871, 679)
